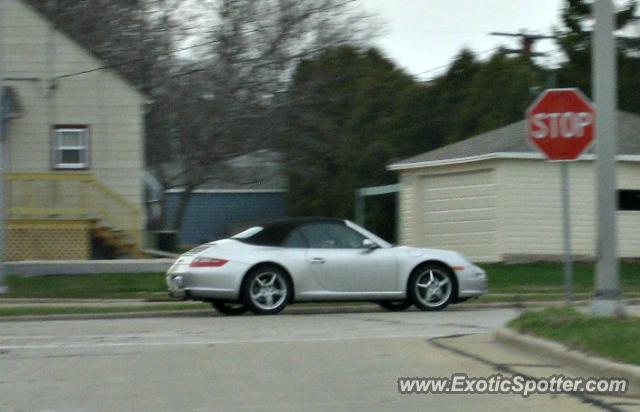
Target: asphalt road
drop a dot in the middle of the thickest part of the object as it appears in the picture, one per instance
(310, 362)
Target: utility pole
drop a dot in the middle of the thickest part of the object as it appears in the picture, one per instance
(527, 41)
(607, 300)
(3, 288)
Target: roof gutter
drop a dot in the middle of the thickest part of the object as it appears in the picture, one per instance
(493, 156)
(210, 191)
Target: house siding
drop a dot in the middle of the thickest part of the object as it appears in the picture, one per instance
(531, 209)
(629, 221)
(109, 106)
(212, 216)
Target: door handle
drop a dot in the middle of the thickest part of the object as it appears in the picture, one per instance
(318, 261)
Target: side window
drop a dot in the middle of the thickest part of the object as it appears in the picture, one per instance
(295, 239)
(628, 199)
(331, 236)
(71, 147)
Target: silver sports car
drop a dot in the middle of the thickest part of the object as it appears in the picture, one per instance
(266, 267)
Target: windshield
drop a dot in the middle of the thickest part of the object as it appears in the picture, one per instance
(248, 233)
(381, 242)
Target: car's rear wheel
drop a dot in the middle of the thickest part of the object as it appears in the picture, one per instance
(266, 290)
(396, 305)
(431, 287)
(229, 308)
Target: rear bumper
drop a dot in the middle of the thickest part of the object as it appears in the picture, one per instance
(206, 283)
(199, 292)
(178, 294)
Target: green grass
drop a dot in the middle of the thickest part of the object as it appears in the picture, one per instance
(98, 286)
(615, 339)
(71, 310)
(548, 277)
(539, 297)
(530, 278)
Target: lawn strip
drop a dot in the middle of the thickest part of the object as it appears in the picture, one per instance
(613, 338)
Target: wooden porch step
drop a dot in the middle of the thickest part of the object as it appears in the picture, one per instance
(118, 239)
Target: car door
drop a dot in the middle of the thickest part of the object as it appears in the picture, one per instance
(339, 261)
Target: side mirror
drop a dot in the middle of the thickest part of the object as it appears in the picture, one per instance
(369, 244)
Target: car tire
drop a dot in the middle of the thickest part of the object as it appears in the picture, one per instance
(395, 305)
(229, 308)
(266, 290)
(431, 287)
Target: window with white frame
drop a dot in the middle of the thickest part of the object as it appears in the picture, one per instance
(71, 147)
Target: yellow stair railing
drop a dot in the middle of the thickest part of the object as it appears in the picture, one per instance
(71, 195)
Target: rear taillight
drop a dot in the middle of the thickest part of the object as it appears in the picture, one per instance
(205, 262)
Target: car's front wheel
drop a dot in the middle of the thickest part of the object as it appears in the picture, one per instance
(266, 291)
(396, 305)
(228, 308)
(431, 287)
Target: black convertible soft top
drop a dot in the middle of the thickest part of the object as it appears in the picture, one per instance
(275, 232)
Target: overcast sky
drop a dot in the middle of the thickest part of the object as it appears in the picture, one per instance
(422, 35)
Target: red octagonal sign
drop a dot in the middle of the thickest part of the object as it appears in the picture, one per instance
(561, 123)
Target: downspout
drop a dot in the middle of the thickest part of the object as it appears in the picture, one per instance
(3, 157)
(51, 84)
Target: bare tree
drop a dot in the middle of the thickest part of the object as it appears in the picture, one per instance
(231, 99)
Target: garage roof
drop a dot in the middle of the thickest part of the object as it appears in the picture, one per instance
(510, 142)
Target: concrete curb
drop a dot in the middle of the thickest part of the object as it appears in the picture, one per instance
(292, 310)
(78, 301)
(302, 309)
(466, 305)
(106, 316)
(561, 353)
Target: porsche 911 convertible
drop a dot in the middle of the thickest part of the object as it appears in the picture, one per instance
(266, 267)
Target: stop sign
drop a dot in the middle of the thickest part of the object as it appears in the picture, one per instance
(561, 123)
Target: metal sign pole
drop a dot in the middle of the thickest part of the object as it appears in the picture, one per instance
(607, 300)
(566, 224)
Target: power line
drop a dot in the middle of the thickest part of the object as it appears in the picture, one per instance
(451, 31)
(444, 66)
(111, 66)
(548, 52)
(428, 31)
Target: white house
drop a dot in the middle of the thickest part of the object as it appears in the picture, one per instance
(494, 198)
(75, 157)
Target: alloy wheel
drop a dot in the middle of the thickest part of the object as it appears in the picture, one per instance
(268, 290)
(433, 288)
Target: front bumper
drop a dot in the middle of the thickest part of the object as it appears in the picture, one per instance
(472, 282)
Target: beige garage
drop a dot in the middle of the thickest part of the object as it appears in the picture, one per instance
(460, 202)
(494, 198)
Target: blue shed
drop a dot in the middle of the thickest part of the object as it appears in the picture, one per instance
(216, 213)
